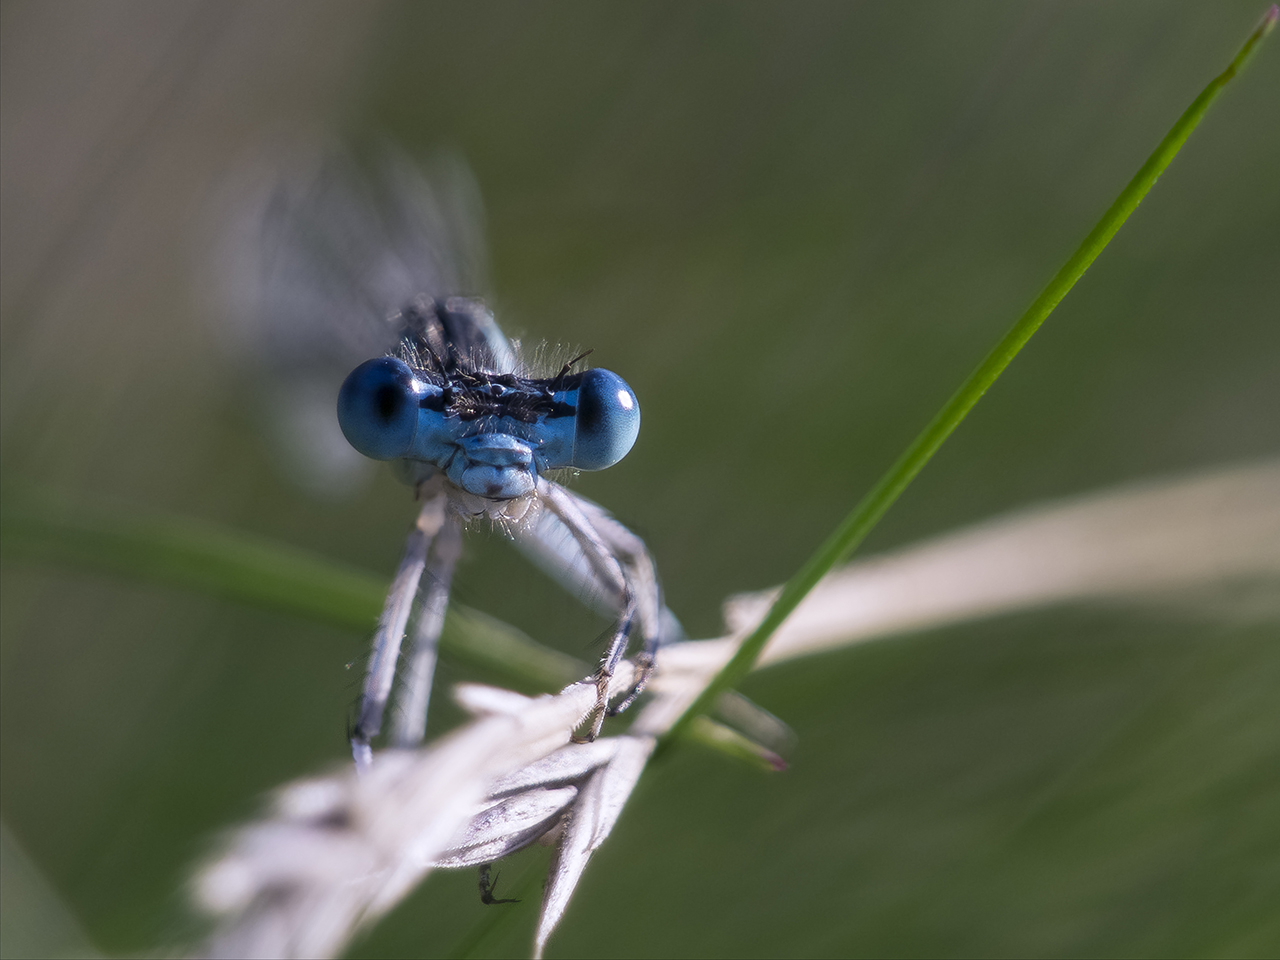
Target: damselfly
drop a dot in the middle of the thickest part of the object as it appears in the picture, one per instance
(367, 265)
(476, 439)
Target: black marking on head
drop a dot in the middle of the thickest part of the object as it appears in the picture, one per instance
(444, 343)
(469, 396)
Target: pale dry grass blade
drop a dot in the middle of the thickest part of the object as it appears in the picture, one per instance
(507, 825)
(336, 853)
(526, 805)
(1191, 537)
(599, 805)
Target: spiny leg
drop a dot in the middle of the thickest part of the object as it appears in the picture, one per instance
(410, 724)
(642, 578)
(546, 540)
(395, 615)
(657, 624)
(607, 568)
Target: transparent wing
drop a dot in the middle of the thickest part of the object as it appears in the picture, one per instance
(322, 254)
(319, 255)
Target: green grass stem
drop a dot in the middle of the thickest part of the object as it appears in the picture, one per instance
(234, 565)
(237, 566)
(854, 528)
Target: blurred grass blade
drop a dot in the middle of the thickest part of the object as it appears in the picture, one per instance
(237, 566)
(492, 645)
(35, 921)
(1206, 545)
(725, 739)
(855, 527)
(195, 554)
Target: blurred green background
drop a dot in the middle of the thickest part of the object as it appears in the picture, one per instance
(793, 228)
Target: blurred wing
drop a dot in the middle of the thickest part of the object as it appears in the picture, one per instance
(314, 268)
(320, 260)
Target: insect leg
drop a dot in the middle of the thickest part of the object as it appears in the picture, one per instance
(642, 577)
(546, 540)
(410, 724)
(609, 570)
(391, 625)
(489, 887)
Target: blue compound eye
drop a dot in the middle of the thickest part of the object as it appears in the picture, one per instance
(378, 408)
(607, 423)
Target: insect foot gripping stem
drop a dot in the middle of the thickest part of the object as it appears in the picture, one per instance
(622, 570)
(645, 663)
(601, 711)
